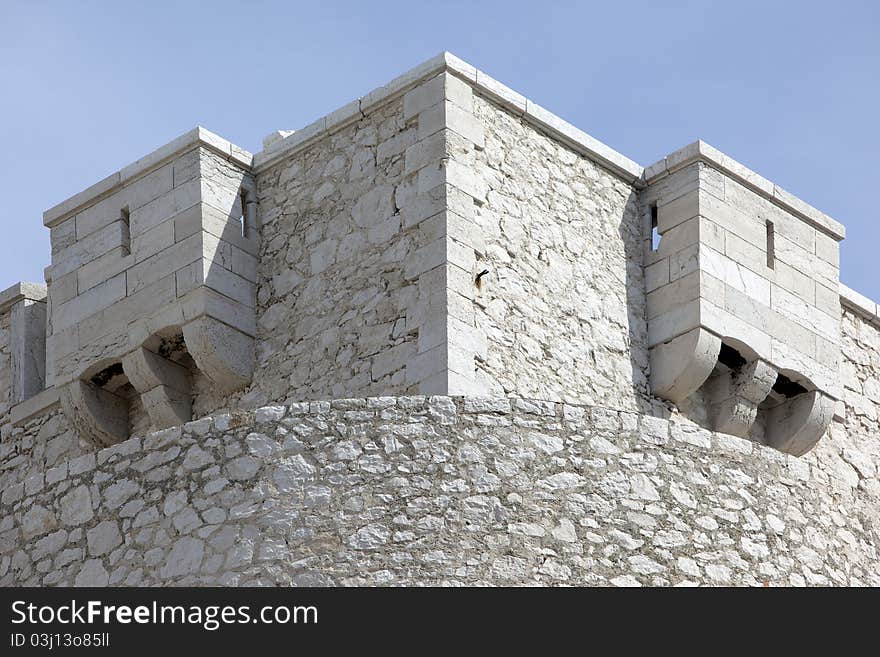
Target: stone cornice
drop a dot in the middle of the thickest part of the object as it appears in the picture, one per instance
(19, 291)
(860, 304)
(501, 94)
(552, 125)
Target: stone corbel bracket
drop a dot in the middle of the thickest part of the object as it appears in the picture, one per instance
(165, 387)
(736, 396)
(796, 425)
(679, 367)
(97, 415)
(682, 366)
(224, 354)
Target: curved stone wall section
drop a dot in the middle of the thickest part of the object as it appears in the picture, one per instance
(39, 443)
(440, 490)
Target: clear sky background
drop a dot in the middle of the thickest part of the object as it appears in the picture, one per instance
(791, 89)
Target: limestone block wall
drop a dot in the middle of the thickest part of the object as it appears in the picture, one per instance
(860, 379)
(28, 448)
(121, 263)
(28, 442)
(743, 300)
(439, 490)
(743, 267)
(440, 235)
(562, 308)
(22, 343)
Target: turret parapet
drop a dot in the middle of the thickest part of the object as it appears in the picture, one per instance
(743, 298)
(161, 258)
(26, 305)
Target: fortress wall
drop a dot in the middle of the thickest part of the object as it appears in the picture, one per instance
(5, 364)
(604, 484)
(440, 490)
(563, 308)
(333, 297)
(858, 437)
(33, 446)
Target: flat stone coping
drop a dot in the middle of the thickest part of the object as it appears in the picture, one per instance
(860, 304)
(197, 136)
(513, 101)
(39, 404)
(19, 291)
(505, 96)
(282, 146)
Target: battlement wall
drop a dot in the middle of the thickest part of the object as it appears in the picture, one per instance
(439, 235)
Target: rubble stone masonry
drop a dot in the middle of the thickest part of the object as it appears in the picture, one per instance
(445, 491)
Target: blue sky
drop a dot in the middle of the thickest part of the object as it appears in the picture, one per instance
(791, 89)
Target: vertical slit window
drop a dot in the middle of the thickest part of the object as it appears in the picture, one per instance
(771, 245)
(125, 218)
(243, 199)
(655, 233)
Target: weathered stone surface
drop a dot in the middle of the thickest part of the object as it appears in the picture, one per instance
(558, 235)
(509, 491)
(438, 243)
(103, 537)
(38, 520)
(733, 263)
(76, 506)
(148, 259)
(92, 573)
(184, 559)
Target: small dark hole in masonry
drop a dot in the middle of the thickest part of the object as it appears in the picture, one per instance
(787, 388)
(478, 281)
(730, 357)
(103, 377)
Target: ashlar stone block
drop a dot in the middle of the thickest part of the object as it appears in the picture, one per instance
(26, 305)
